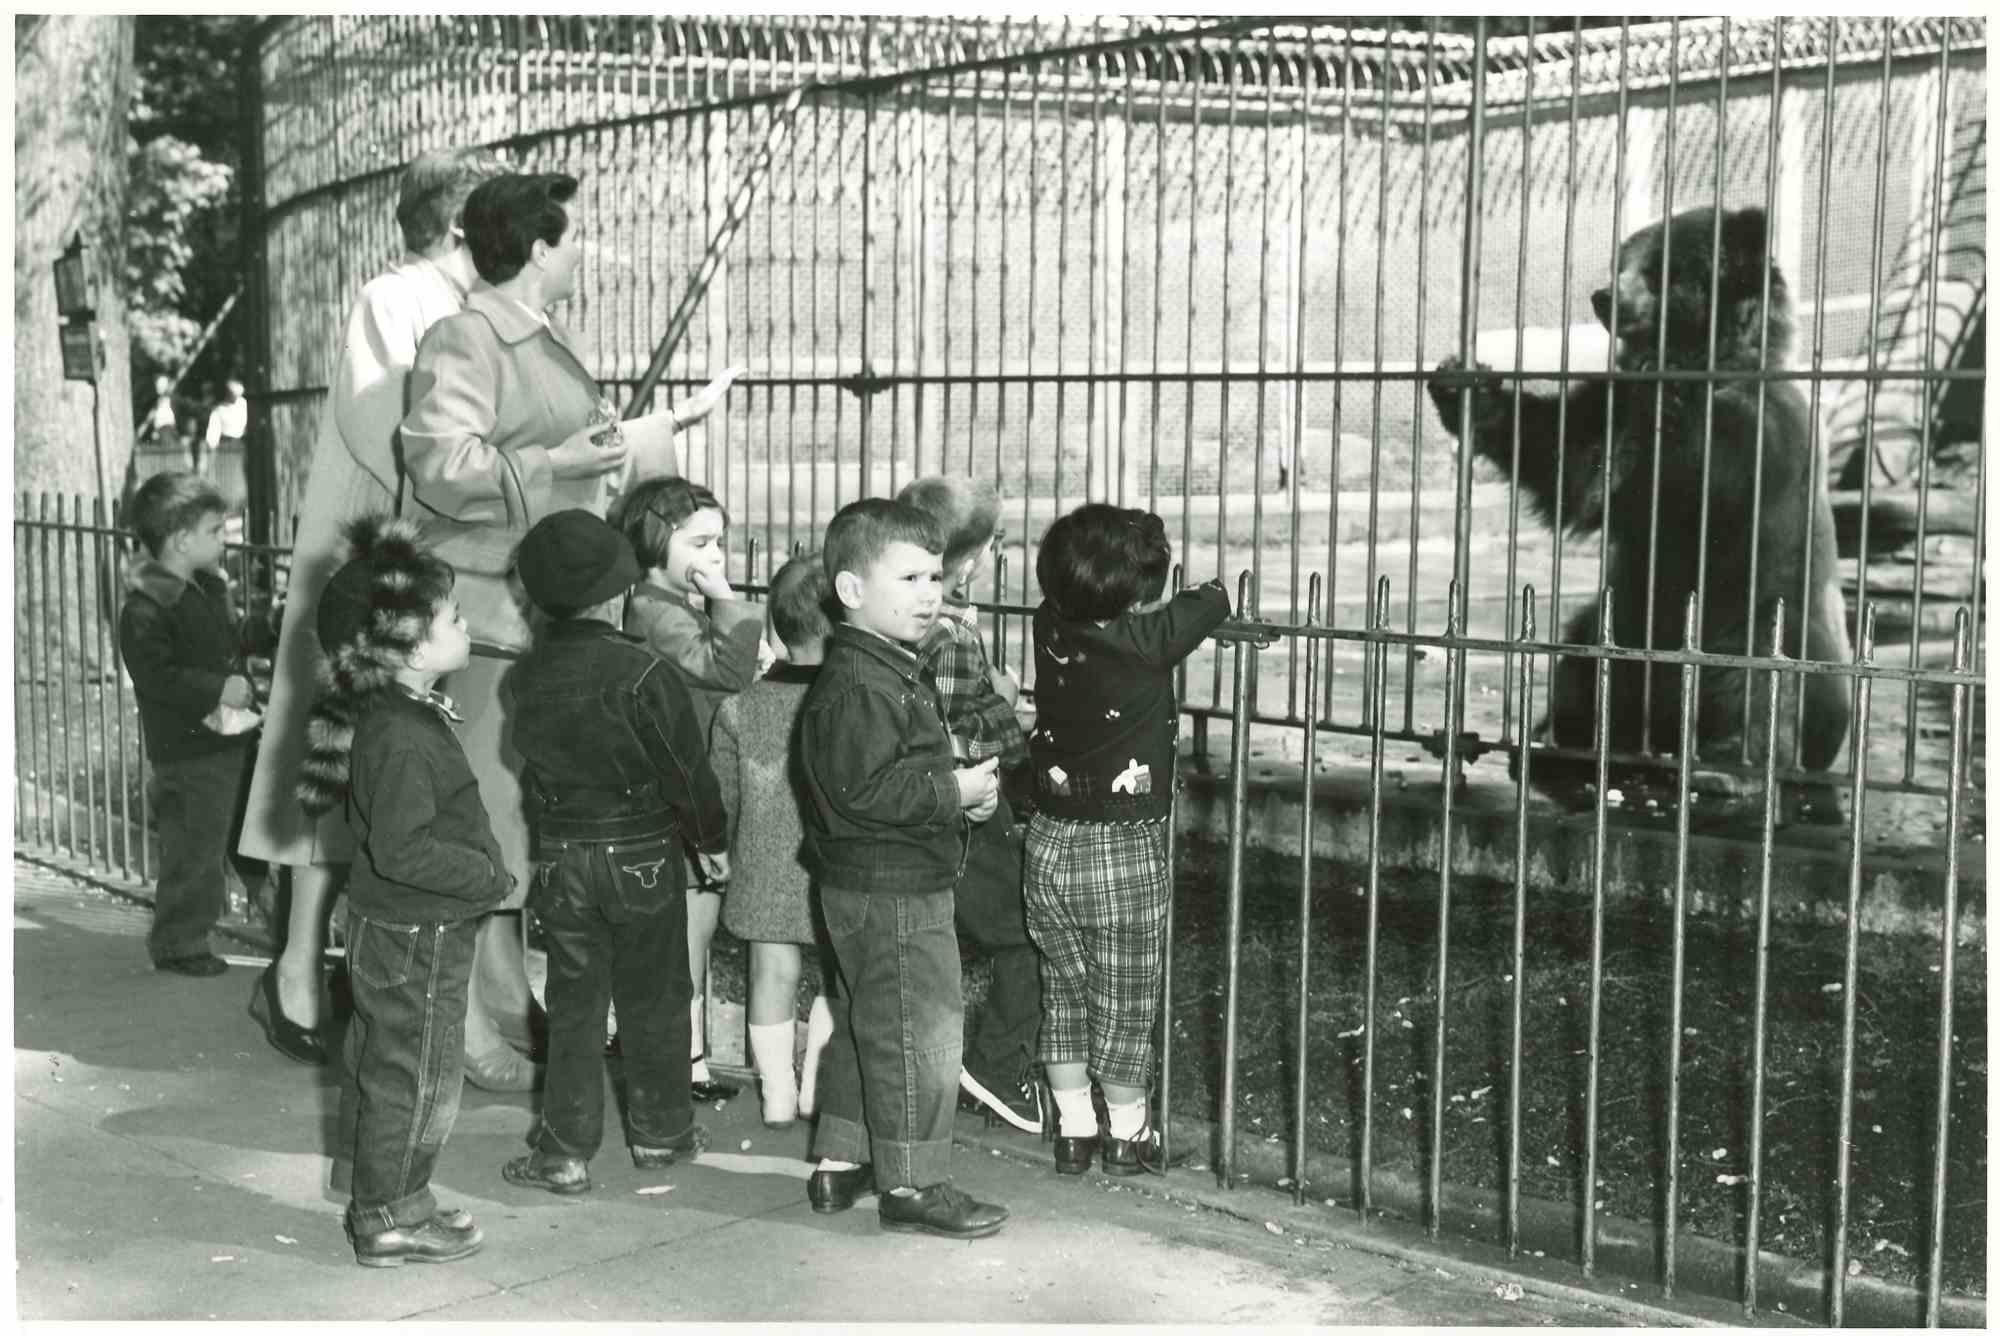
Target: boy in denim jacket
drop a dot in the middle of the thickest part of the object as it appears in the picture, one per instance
(616, 774)
(886, 816)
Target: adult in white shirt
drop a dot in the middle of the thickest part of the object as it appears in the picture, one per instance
(354, 472)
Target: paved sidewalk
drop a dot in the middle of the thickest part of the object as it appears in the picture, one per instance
(169, 1165)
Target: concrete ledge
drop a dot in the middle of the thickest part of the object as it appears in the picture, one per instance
(1901, 892)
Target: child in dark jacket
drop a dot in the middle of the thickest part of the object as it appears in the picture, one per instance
(183, 648)
(979, 712)
(616, 777)
(427, 867)
(886, 817)
(1103, 754)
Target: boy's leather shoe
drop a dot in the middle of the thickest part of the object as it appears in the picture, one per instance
(1073, 1154)
(1016, 1102)
(437, 1239)
(711, 1091)
(1140, 1155)
(834, 1190)
(688, 1145)
(943, 1210)
(563, 1175)
(201, 966)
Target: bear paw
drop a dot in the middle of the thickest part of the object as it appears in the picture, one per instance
(1449, 381)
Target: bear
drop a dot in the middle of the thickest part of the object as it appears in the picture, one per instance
(1678, 283)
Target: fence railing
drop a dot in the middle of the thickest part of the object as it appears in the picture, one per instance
(1363, 1018)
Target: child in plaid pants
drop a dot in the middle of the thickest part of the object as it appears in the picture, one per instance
(1103, 759)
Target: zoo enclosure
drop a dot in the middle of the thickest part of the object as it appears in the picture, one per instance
(1092, 261)
(1148, 262)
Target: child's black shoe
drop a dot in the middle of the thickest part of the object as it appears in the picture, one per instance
(561, 1174)
(445, 1237)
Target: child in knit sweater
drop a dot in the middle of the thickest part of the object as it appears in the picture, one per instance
(769, 902)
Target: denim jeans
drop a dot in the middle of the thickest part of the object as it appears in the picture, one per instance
(614, 920)
(1001, 1044)
(405, 1056)
(194, 800)
(888, 1081)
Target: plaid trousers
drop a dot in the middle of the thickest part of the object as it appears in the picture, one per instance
(1096, 894)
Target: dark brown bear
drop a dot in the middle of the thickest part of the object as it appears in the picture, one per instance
(1605, 438)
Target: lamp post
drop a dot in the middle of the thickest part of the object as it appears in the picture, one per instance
(82, 348)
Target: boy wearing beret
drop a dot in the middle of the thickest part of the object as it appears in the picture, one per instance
(616, 775)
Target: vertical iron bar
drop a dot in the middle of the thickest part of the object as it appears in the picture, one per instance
(1468, 333)
(1651, 611)
(1059, 435)
(1520, 362)
(1623, 103)
(1195, 174)
(1378, 714)
(1807, 599)
(1231, 87)
(1369, 687)
(1167, 963)
(1761, 984)
(1414, 595)
(21, 712)
(1556, 525)
(865, 410)
(1302, 1020)
(1263, 374)
(1159, 269)
(1516, 1035)
(1927, 392)
(1684, 767)
(1333, 468)
(28, 539)
(1772, 152)
(1961, 664)
(60, 587)
(1454, 684)
(90, 592)
(1239, 818)
(1594, 1057)
(1028, 314)
(1864, 683)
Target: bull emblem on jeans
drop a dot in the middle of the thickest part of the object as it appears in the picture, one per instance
(648, 873)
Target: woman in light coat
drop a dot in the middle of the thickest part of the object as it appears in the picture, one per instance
(352, 472)
(507, 425)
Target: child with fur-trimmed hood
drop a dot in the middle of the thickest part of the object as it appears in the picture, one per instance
(427, 868)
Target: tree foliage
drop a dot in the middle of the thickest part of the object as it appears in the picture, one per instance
(182, 258)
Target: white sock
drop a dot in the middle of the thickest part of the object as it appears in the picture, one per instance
(819, 1029)
(696, 1050)
(831, 1166)
(1074, 1113)
(1127, 1120)
(771, 1050)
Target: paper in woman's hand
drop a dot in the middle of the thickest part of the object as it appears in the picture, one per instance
(652, 452)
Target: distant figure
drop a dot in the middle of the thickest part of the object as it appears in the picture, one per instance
(160, 419)
(227, 422)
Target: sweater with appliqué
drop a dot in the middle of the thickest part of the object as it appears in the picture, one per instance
(1106, 718)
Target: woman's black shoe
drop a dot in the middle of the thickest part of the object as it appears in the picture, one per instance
(294, 1041)
(1073, 1154)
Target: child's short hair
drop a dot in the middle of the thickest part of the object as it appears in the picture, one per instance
(1099, 561)
(433, 190)
(802, 602)
(170, 503)
(862, 530)
(967, 512)
(648, 513)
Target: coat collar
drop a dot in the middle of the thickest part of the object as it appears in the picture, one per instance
(511, 321)
(151, 578)
(898, 657)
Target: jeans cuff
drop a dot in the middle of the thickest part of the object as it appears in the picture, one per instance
(403, 1213)
(911, 1164)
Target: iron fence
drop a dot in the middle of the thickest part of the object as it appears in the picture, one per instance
(1170, 264)
(80, 759)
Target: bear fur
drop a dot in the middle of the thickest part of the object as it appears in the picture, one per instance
(1672, 281)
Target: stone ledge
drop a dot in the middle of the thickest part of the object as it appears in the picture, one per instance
(1900, 893)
